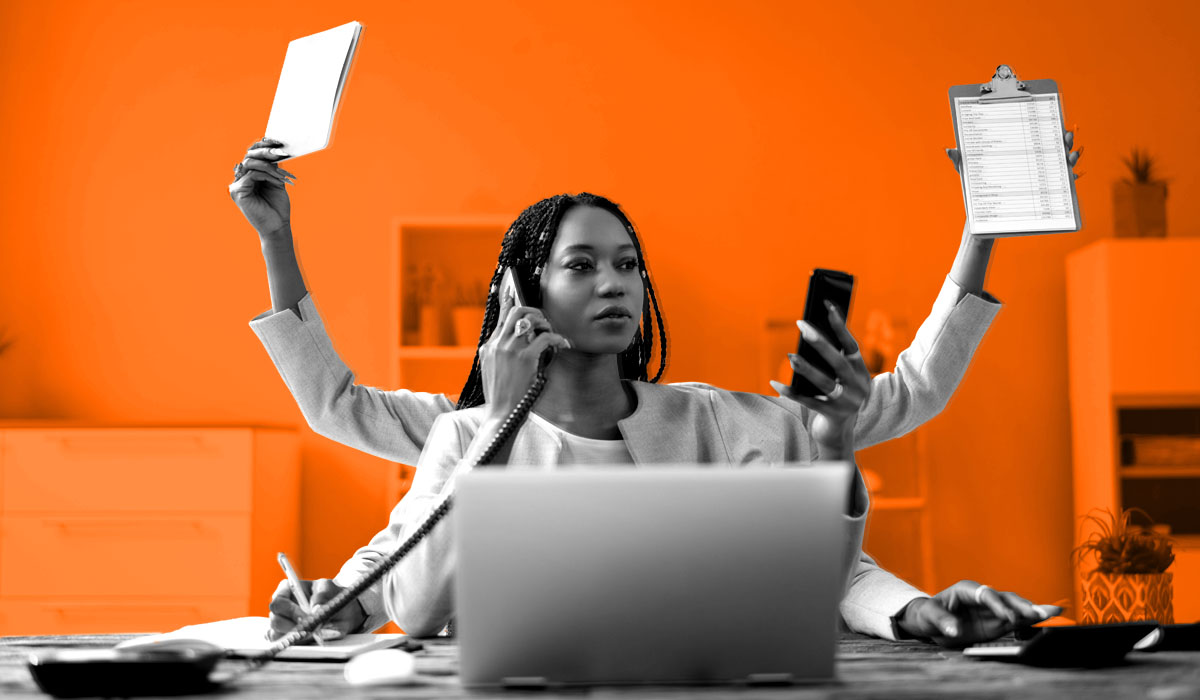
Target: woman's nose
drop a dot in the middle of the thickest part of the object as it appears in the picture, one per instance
(610, 283)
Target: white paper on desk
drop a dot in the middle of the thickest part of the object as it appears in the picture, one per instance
(1015, 173)
(247, 636)
(310, 88)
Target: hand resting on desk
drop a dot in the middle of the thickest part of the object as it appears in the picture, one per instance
(286, 612)
(969, 613)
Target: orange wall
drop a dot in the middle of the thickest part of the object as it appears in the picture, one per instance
(749, 141)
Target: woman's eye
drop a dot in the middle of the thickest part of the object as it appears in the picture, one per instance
(630, 264)
(579, 265)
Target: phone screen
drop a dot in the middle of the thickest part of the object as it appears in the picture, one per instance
(834, 286)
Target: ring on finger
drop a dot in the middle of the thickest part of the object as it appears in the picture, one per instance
(856, 354)
(239, 170)
(979, 592)
(523, 327)
(837, 391)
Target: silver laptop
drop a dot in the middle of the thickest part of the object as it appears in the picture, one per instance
(681, 574)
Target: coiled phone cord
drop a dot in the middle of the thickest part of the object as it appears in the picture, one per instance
(324, 613)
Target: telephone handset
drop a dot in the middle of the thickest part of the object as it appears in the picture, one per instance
(128, 675)
(511, 287)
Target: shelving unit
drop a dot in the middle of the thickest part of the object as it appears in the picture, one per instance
(441, 269)
(1132, 312)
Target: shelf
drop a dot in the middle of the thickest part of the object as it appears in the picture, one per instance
(1183, 471)
(897, 503)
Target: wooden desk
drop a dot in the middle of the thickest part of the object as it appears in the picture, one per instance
(868, 668)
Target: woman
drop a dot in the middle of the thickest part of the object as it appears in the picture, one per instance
(600, 349)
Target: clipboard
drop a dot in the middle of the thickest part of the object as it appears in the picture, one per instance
(1015, 177)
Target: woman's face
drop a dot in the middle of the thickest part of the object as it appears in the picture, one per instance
(591, 285)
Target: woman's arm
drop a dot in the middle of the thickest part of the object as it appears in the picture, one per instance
(970, 265)
(283, 271)
(388, 424)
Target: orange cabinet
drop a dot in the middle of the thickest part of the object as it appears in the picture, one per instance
(1133, 329)
(141, 529)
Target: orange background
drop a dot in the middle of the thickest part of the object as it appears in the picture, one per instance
(750, 142)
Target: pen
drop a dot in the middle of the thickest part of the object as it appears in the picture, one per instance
(298, 591)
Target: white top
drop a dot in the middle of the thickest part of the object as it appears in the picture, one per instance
(580, 450)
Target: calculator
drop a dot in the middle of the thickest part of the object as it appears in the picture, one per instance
(1079, 646)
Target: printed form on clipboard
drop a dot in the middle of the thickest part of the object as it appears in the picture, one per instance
(1015, 176)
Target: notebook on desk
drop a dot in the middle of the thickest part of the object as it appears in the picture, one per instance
(687, 574)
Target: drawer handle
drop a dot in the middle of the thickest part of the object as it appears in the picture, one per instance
(149, 528)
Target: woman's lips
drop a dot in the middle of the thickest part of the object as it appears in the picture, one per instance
(613, 312)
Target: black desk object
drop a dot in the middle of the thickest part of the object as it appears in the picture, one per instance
(867, 668)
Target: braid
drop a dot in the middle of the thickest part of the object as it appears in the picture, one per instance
(526, 247)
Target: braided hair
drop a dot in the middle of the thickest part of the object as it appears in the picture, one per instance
(526, 248)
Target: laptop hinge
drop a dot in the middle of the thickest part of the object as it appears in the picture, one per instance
(770, 679)
(524, 682)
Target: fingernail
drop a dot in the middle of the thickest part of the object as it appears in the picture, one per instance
(279, 152)
(807, 330)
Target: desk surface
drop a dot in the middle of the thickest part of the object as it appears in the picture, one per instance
(867, 668)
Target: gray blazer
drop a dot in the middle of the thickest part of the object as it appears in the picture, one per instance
(672, 423)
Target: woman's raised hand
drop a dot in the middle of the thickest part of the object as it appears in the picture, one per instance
(509, 360)
(259, 188)
(842, 394)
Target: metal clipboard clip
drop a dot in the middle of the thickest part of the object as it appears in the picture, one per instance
(1004, 87)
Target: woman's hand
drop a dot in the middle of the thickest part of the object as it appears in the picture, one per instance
(508, 361)
(969, 613)
(286, 612)
(259, 189)
(842, 394)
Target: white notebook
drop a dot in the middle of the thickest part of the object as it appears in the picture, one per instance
(247, 636)
(310, 88)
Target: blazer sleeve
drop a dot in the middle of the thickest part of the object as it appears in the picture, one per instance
(388, 424)
(417, 593)
(929, 370)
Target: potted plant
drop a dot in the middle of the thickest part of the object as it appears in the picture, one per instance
(1130, 581)
(1140, 200)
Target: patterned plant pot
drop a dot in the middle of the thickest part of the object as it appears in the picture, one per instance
(1126, 598)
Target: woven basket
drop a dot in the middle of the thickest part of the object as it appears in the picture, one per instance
(1127, 598)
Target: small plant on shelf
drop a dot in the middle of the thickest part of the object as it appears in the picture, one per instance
(1141, 167)
(1140, 200)
(1130, 580)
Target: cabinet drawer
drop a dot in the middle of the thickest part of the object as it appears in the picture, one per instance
(125, 556)
(126, 469)
(109, 616)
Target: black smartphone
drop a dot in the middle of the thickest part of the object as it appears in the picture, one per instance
(823, 285)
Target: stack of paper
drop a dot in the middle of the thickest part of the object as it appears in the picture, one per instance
(247, 636)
